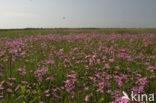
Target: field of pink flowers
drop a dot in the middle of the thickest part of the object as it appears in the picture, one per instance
(91, 68)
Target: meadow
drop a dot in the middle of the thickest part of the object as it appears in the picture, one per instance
(76, 65)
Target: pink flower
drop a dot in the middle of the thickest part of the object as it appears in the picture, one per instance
(9, 90)
(24, 82)
(50, 78)
(43, 45)
(40, 72)
(17, 87)
(12, 79)
(62, 88)
(87, 98)
(51, 62)
(2, 82)
(86, 88)
(109, 91)
(90, 62)
(34, 92)
(1, 97)
(120, 100)
(47, 95)
(47, 91)
(61, 50)
(10, 84)
(111, 60)
(21, 71)
(1, 88)
(98, 61)
(1, 74)
(117, 67)
(107, 66)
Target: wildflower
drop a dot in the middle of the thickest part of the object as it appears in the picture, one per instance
(62, 88)
(98, 61)
(17, 87)
(47, 95)
(109, 91)
(138, 89)
(28, 91)
(43, 45)
(23, 53)
(47, 91)
(9, 90)
(107, 66)
(12, 79)
(1, 88)
(86, 88)
(10, 84)
(24, 82)
(40, 72)
(1, 74)
(50, 78)
(90, 62)
(117, 67)
(69, 83)
(120, 100)
(51, 62)
(87, 98)
(1, 97)
(2, 82)
(21, 71)
(61, 50)
(34, 92)
(111, 60)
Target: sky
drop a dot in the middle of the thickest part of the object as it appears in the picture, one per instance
(77, 13)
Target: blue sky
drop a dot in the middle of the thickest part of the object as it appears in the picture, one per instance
(77, 13)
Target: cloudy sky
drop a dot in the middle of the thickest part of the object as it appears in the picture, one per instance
(77, 13)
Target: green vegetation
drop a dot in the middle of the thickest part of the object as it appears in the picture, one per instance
(12, 33)
(76, 65)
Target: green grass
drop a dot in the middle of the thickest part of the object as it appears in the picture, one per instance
(16, 33)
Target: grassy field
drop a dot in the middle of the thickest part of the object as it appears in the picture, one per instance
(14, 33)
(76, 65)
